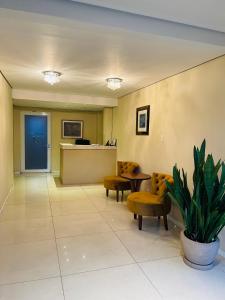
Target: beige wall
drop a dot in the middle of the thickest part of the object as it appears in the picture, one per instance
(6, 140)
(92, 130)
(115, 124)
(107, 124)
(110, 124)
(185, 109)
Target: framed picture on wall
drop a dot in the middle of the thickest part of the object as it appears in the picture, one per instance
(142, 120)
(72, 129)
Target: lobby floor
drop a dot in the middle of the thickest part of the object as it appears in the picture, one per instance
(73, 243)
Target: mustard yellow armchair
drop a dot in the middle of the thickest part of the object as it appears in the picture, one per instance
(154, 203)
(117, 183)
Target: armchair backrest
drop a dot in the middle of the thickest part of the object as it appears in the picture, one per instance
(158, 183)
(127, 167)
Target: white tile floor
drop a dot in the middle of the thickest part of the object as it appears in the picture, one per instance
(73, 243)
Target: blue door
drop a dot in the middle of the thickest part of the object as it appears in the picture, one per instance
(36, 142)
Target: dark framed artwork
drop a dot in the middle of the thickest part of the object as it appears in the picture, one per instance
(142, 120)
(72, 129)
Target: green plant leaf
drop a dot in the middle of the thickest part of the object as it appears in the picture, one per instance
(203, 212)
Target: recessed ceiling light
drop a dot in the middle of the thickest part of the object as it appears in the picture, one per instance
(114, 83)
(52, 77)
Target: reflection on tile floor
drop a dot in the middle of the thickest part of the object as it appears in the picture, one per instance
(75, 243)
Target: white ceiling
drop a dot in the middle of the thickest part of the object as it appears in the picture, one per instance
(89, 44)
(204, 13)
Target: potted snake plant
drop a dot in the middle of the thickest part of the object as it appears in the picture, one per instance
(203, 210)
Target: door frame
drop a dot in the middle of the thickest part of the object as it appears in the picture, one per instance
(22, 122)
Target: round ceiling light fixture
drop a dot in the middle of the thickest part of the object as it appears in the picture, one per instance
(52, 77)
(114, 83)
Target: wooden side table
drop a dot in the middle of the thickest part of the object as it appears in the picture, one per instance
(135, 180)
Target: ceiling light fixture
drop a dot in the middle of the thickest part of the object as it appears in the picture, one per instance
(114, 83)
(52, 77)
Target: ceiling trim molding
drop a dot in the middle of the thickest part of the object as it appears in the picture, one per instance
(19, 94)
(199, 65)
(175, 12)
(106, 17)
(6, 79)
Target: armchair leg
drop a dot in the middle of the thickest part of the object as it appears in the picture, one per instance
(140, 222)
(135, 216)
(117, 195)
(107, 193)
(165, 222)
(158, 217)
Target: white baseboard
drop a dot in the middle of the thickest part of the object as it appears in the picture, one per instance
(56, 173)
(181, 226)
(177, 223)
(6, 198)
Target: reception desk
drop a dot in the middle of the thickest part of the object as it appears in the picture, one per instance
(81, 164)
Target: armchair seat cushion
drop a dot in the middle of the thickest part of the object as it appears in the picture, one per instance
(116, 182)
(145, 198)
(147, 204)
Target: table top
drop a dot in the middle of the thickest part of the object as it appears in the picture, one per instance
(138, 176)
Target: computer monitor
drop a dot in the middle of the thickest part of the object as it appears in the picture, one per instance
(82, 142)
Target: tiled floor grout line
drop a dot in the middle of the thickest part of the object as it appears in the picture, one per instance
(95, 270)
(143, 272)
(33, 280)
(157, 259)
(98, 270)
(135, 262)
(81, 234)
(27, 281)
(151, 283)
(28, 242)
(143, 269)
(20, 220)
(56, 245)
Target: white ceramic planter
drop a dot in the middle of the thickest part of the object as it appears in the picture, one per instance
(199, 255)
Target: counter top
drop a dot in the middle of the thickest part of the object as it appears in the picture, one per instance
(68, 146)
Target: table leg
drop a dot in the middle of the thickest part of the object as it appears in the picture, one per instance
(138, 184)
(133, 186)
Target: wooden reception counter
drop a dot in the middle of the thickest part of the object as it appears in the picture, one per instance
(81, 164)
